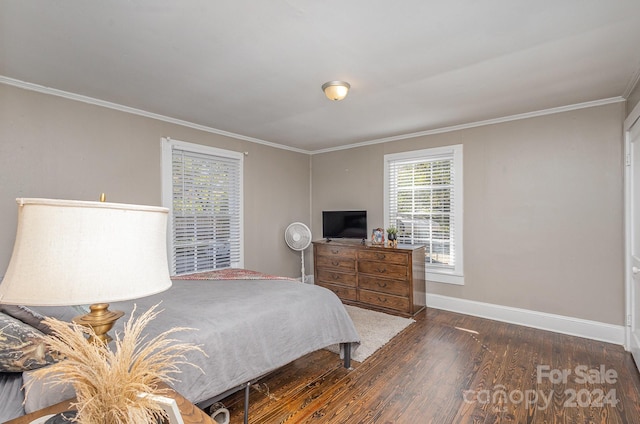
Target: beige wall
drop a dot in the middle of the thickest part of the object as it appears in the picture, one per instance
(543, 201)
(543, 196)
(54, 147)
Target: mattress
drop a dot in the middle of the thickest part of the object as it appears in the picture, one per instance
(247, 327)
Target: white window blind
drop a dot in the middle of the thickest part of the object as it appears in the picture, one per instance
(206, 209)
(423, 201)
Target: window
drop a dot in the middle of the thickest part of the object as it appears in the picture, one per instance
(423, 200)
(202, 187)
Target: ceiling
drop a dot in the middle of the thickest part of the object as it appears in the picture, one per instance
(254, 68)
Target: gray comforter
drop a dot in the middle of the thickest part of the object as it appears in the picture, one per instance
(247, 327)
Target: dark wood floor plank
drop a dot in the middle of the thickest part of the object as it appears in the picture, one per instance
(450, 368)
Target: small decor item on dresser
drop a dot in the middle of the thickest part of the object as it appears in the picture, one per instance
(377, 236)
(392, 236)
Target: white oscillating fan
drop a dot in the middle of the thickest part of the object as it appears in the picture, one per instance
(298, 237)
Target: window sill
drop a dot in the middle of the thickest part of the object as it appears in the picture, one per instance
(445, 277)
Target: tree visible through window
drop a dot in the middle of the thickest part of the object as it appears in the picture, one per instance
(205, 202)
(423, 201)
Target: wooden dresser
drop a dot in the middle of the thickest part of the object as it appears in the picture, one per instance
(372, 276)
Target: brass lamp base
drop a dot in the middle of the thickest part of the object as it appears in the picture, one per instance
(101, 319)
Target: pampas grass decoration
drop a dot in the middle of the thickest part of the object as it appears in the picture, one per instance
(107, 382)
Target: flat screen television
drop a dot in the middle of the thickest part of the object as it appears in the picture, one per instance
(344, 224)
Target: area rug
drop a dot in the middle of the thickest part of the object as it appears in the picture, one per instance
(375, 330)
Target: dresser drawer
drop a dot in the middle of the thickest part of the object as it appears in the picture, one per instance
(383, 269)
(370, 276)
(344, 293)
(344, 264)
(383, 285)
(335, 250)
(381, 255)
(334, 277)
(388, 301)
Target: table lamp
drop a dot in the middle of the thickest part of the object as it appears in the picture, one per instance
(70, 252)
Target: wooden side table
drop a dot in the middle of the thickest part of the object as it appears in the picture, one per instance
(190, 413)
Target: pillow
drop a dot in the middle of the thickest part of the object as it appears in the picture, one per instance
(26, 315)
(33, 315)
(22, 347)
(62, 313)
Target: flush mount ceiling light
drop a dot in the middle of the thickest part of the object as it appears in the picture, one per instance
(336, 90)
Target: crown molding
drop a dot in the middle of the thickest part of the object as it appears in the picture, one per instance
(510, 118)
(140, 112)
(632, 84)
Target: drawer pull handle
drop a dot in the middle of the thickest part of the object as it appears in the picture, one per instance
(381, 270)
(335, 263)
(335, 252)
(335, 276)
(381, 255)
(382, 284)
(383, 300)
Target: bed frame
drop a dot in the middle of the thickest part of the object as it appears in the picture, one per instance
(344, 347)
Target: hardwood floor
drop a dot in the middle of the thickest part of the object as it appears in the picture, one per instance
(453, 368)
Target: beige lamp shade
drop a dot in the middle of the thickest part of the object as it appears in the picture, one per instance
(75, 253)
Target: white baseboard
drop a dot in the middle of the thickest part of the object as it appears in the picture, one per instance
(557, 323)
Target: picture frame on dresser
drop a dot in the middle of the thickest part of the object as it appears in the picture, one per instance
(377, 236)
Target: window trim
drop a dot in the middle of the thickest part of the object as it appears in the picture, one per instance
(167, 147)
(455, 276)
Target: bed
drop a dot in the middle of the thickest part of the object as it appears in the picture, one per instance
(249, 324)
